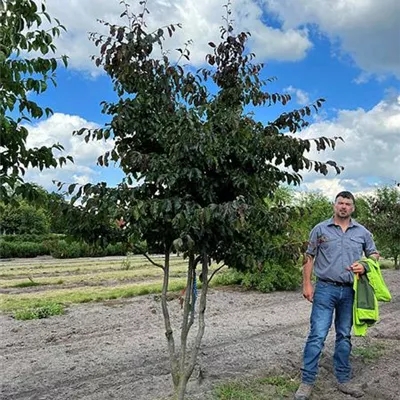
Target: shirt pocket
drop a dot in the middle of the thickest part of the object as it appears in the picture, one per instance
(357, 246)
(328, 246)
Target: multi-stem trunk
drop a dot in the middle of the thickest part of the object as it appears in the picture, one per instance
(182, 367)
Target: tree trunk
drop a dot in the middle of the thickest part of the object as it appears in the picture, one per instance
(396, 262)
(186, 311)
(186, 368)
(167, 322)
(182, 368)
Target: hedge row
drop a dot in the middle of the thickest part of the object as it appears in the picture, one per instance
(32, 238)
(59, 249)
(22, 249)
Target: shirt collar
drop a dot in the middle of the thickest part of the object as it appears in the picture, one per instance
(331, 221)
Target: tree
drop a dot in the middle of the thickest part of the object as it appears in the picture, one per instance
(315, 208)
(56, 207)
(383, 220)
(24, 219)
(198, 166)
(94, 225)
(20, 35)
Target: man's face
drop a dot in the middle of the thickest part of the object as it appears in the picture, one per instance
(343, 207)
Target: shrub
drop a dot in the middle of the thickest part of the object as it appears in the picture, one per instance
(6, 250)
(230, 277)
(59, 246)
(85, 250)
(126, 264)
(21, 249)
(40, 312)
(117, 249)
(63, 249)
(32, 238)
(272, 276)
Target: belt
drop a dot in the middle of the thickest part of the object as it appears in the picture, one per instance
(335, 283)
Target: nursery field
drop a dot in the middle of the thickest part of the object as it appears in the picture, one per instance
(113, 345)
(44, 282)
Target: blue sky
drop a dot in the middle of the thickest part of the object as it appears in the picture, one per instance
(346, 51)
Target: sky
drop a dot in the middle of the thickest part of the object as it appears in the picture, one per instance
(345, 51)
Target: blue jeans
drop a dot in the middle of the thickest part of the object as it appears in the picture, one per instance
(327, 299)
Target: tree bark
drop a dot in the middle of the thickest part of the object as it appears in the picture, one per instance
(186, 310)
(188, 369)
(167, 322)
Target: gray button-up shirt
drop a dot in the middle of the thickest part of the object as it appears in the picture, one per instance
(334, 250)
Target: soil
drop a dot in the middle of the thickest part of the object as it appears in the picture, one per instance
(117, 349)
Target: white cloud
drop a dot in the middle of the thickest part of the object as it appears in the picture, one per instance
(58, 129)
(301, 96)
(201, 21)
(81, 179)
(329, 187)
(367, 30)
(370, 153)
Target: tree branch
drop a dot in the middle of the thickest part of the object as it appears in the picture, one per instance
(147, 256)
(196, 261)
(214, 272)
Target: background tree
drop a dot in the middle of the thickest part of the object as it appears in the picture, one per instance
(315, 208)
(56, 207)
(202, 166)
(383, 220)
(24, 218)
(21, 34)
(96, 223)
(51, 206)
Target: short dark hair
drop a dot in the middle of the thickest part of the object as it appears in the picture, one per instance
(346, 195)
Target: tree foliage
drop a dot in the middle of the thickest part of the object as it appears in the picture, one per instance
(95, 225)
(21, 35)
(24, 219)
(198, 165)
(383, 219)
(315, 207)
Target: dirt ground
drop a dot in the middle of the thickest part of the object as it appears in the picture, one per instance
(117, 349)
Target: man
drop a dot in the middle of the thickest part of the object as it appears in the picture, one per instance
(334, 248)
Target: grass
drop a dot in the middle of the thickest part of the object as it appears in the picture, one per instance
(8, 272)
(23, 284)
(12, 302)
(271, 388)
(93, 278)
(39, 312)
(89, 282)
(370, 352)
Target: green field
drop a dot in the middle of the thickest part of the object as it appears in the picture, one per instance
(31, 284)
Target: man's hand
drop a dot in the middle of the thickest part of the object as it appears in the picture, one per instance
(376, 256)
(308, 291)
(357, 268)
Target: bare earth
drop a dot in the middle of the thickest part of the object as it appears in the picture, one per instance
(117, 349)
